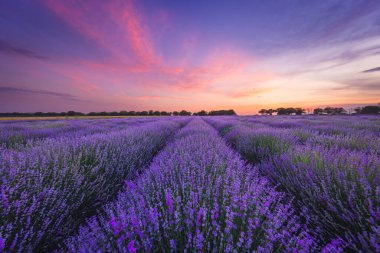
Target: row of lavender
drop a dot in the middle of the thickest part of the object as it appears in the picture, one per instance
(17, 135)
(331, 166)
(323, 124)
(65, 175)
(197, 195)
(359, 133)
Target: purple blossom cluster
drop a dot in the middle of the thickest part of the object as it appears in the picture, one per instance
(49, 188)
(330, 166)
(197, 195)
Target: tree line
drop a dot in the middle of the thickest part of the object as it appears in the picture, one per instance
(371, 109)
(283, 111)
(330, 110)
(121, 113)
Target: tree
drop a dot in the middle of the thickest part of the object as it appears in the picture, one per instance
(103, 114)
(115, 113)
(340, 110)
(222, 112)
(328, 110)
(231, 112)
(200, 113)
(184, 113)
(318, 111)
(334, 110)
(284, 111)
(290, 111)
(73, 113)
(281, 111)
(263, 111)
(371, 109)
(70, 113)
(271, 111)
(287, 111)
(299, 111)
(358, 110)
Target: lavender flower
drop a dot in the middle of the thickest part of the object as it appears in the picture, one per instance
(131, 247)
(169, 201)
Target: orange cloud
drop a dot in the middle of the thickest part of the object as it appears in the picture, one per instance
(249, 93)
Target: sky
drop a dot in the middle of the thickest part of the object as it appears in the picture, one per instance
(60, 55)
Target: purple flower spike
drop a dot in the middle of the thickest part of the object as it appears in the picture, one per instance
(2, 244)
(169, 201)
(131, 247)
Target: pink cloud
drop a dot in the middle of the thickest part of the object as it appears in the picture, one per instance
(135, 59)
(135, 32)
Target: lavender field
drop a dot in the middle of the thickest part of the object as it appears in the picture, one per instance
(191, 184)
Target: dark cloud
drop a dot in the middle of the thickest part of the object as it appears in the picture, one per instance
(8, 48)
(351, 55)
(337, 60)
(15, 90)
(361, 84)
(371, 70)
(348, 56)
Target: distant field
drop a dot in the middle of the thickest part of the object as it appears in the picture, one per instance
(195, 184)
(68, 117)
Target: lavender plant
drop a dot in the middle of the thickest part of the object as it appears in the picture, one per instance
(15, 135)
(47, 191)
(197, 195)
(334, 175)
(341, 189)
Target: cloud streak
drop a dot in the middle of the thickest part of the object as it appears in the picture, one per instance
(363, 84)
(11, 49)
(15, 90)
(371, 70)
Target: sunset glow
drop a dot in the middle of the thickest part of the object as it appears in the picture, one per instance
(193, 55)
